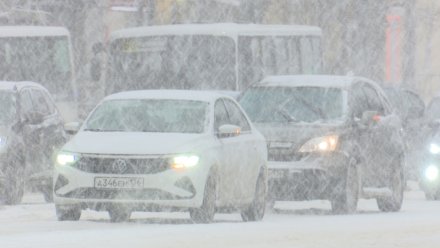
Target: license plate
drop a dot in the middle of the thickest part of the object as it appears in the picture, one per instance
(119, 183)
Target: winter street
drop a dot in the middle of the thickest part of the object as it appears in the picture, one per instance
(304, 224)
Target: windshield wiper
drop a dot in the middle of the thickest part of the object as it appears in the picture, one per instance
(286, 115)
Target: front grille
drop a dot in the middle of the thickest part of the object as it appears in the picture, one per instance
(283, 154)
(123, 194)
(122, 166)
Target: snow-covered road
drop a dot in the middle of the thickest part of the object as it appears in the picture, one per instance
(300, 224)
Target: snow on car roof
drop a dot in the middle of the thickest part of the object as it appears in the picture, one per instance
(32, 31)
(310, 80)
(218, 29)
(194, 95)
(10, 85)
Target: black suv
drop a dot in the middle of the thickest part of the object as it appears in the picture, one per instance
(329, 137)
(31, 128)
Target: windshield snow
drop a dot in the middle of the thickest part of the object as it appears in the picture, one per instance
(7, 108)
(165, 116)
(293, 104)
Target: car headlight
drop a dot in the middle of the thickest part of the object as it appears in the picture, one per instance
(434, 148)
(66, 158)
(431, 173)
(321, 144)
(184, 161)
(2, 142)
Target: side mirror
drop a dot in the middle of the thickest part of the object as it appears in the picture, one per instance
(370, 117)
(72, 127)
(34, 118)
(228, 131)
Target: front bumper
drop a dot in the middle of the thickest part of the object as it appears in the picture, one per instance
(312, 177)
(179, 189)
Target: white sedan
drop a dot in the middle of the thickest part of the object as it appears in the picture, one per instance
(163, 150)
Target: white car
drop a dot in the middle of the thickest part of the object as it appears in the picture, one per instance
(163, 150)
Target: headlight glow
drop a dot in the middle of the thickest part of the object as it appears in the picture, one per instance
(64, 158)
(321, 144)
(432, 173)
(434, 148)
(184, 161)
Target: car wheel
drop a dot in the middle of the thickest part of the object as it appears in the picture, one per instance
(68, 213)
(205, 214)
(14, 189)
(393, 203)
(119, 214)
(345, 201)
(255, 212)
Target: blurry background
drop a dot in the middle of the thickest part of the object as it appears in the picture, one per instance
(394, 42)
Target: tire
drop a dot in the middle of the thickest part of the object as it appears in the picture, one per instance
(14, 189)
(345, 202)
(72, 213)
(255, 212)
(205, 214)
(119, 214)
(394, 202)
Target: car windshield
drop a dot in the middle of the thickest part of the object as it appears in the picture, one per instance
(293, 104)
(158, 115)
(7, 108)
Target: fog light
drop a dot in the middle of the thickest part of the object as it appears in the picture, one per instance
(431, 173)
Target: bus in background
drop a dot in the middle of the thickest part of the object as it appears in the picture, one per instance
(44, 55)
(209, 56)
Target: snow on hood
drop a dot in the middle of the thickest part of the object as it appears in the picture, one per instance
(136, 143)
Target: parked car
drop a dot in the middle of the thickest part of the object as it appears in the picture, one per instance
(31, 129)
(163, 150)
(429, 173)
(409, 106)
(329, 137)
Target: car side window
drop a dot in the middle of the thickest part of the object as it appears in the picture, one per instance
(374, 101)
(40, 103)
(236, 116)
(50, 103)
(220, 115)
(26, 105)
(416, 106)
(358, 102)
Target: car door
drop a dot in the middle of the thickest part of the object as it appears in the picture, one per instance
(248, 162)
(229, 156)
(383, 140)
(51, 129)
(30, 132)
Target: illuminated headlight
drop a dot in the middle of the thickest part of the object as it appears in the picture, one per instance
(432, 173)
(66, 158)
(434, 148)
(184, 161)
(321, 144)
(2, 143)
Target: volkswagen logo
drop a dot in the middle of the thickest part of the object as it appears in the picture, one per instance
(119, 166)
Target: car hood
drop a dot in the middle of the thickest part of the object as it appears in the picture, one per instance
(136, 143)
(281, 134)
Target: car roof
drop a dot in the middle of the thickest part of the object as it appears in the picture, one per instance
(194, 95)
(32, 31)
(220, 29)
(330, 81)
(11, 85)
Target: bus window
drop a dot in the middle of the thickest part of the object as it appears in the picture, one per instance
(294, 56)
(179, 62)
(269, 56)
(282, 55)
(44, 60)
(307, 55)
(250, 63)
(316, 54)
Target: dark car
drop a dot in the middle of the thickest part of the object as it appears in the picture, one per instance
(329, 137)
(31, 128)
(409, 106)
(429, 180)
